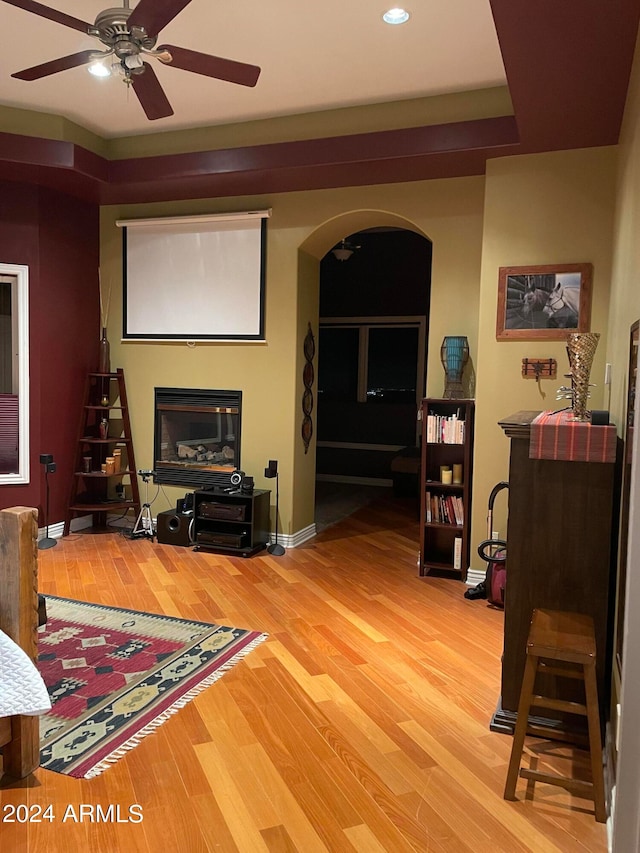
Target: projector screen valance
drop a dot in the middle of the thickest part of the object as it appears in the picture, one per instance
(194, 278)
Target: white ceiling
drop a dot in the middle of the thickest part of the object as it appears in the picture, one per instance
(313, 55)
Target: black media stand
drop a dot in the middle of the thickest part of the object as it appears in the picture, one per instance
(231, 523)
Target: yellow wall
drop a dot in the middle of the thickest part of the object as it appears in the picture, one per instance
(262, 371)
(625, 290)
(539, 209)
(449, 212)
(534, 209)
(304, 459)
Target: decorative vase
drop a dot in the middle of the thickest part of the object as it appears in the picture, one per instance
(454, 354)
(104, 358)
(581, 348)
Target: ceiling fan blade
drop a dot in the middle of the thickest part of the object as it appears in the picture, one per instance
(151, 94)
(48, 68)
(50, 14)
(153, 15)
(212, 66)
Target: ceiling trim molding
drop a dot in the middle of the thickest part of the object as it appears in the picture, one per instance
(568, 66)
(434, 151)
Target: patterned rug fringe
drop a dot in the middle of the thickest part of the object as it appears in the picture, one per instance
(132, 742)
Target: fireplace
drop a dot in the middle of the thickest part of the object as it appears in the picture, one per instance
(196, 437)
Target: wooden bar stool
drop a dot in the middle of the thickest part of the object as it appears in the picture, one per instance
(560, 644)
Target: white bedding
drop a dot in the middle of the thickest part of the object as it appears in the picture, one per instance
(22, 690)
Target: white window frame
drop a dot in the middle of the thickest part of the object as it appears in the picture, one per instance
(364, 324)
(18, 275)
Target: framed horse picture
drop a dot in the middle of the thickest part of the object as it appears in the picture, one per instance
(543, 303)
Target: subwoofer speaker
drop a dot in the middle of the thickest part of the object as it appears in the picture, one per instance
(173, 528)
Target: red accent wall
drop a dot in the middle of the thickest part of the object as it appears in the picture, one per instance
(57, 236)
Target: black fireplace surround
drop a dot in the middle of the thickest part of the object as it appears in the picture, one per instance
(196, 437)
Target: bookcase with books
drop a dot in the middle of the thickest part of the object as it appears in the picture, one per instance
(446, 481)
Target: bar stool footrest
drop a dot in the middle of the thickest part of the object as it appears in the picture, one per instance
(584, 789)
(546, 733)
(559, 705)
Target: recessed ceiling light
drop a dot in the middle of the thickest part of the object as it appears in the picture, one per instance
(395, 16)
(98, 69)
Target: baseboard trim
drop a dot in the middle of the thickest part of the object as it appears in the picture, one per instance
(475, 576)
(609, 780)
(292, 540)
(56, 531)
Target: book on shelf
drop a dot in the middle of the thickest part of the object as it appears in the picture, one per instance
(445, 429)
(457, 553)
(443, 509)
(444, 503)
(451, 510)
(458, 509)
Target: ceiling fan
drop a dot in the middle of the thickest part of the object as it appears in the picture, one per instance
(344, 249)
(130, 36)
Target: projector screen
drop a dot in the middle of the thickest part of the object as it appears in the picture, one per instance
(194, 278)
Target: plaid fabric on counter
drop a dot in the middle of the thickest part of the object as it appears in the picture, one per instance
(555, 435)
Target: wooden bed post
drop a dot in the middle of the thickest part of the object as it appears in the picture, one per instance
(19, 620)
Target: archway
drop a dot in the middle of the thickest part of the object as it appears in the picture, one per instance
(390, 311)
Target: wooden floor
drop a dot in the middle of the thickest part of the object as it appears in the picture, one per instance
(362, 724)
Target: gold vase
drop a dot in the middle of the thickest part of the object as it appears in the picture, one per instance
(581, 348)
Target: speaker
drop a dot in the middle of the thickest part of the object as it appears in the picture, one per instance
(272, 470)
(185, 504)
(599, 417)
(247, 486)
(173, 528)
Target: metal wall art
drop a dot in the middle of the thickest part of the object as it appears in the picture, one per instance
(308, 376)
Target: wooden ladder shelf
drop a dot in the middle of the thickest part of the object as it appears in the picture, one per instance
(104, 433)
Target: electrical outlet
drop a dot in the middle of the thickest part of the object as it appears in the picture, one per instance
(495, 534)
(607, 374)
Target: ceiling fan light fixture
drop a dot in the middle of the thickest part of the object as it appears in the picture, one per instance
(344, 250)
(342, 254)
(133, 61)
(396, 16)
(99, 69)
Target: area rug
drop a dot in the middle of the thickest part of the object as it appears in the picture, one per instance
(115, 675)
